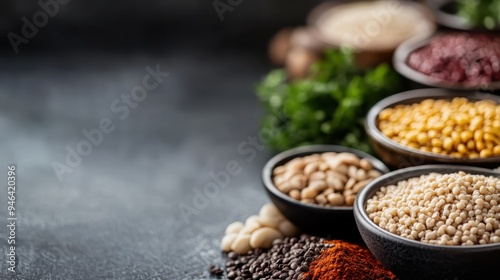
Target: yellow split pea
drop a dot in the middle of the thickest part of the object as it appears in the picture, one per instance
(458, 127)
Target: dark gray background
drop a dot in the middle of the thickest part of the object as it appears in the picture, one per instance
(116, 216)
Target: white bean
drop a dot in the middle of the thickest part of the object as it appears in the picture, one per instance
(360, 174)
(270, 210)
(307, 200)
(348, 159)
(269, 221)
(350, 184)
(336, 174)
(311, 158)
(309, 193)
(295, 194)
(227, 241)
(298, 181)
(349, 199)
(287, 228)
(351, 171)
(264, 237)
(374, 173)
(341, 168)
(252, 219)
(335, 199)
(318, 185)
(285, 187)
(241, 244)
(234, 227)
(250, 228)
(311, 167)
(321, 199)
(365, 164)
(323, 166)
(328, 191)
(318, 175)
(279, 170)
(295, 165)
(335, 183)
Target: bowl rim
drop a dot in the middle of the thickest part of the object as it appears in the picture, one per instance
(407, 47)
(289, 154)
(369, 190)
(319, 10)
(454, 21)
(405, 97)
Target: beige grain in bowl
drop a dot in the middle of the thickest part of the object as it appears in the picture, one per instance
(374, 28)
(433, 222)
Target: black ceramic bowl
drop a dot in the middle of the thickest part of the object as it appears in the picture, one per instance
(396, 155)
(331, 222)
(416, 79)
(411, 259)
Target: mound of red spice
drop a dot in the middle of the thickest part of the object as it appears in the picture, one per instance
(347, 261)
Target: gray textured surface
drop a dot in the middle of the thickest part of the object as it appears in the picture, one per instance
(116, 215)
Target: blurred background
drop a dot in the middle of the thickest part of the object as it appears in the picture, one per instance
(152, 25)
(115, 214)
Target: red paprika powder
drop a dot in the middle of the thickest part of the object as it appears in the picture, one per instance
(347, 261)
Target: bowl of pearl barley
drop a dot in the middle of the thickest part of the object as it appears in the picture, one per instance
(433, 221)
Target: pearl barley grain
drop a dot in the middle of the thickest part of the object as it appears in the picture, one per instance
(446, 209)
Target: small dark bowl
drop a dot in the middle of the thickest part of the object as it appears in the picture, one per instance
(331, 222)
(417, 80)
(396, 155)
(410, 259)
(445, 13)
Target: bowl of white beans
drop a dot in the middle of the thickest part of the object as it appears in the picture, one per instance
(315, 186)
(433, 221)
(436, 126)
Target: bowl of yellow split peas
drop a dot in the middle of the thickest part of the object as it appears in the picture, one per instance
(435, 125)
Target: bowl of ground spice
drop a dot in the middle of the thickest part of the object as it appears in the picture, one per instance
(433, 221)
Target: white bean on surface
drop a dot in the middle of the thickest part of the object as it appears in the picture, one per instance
(269, 221)
(270, 210)
(234, 227)
(252, 219)
(250, 227)
(314, 178)
(241, 244)
(227, 241)
(264, 237)
(448, 209)
(258, 231)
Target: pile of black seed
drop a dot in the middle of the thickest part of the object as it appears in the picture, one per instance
(288, 258)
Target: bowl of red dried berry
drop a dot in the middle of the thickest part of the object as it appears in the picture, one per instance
(453, 60)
